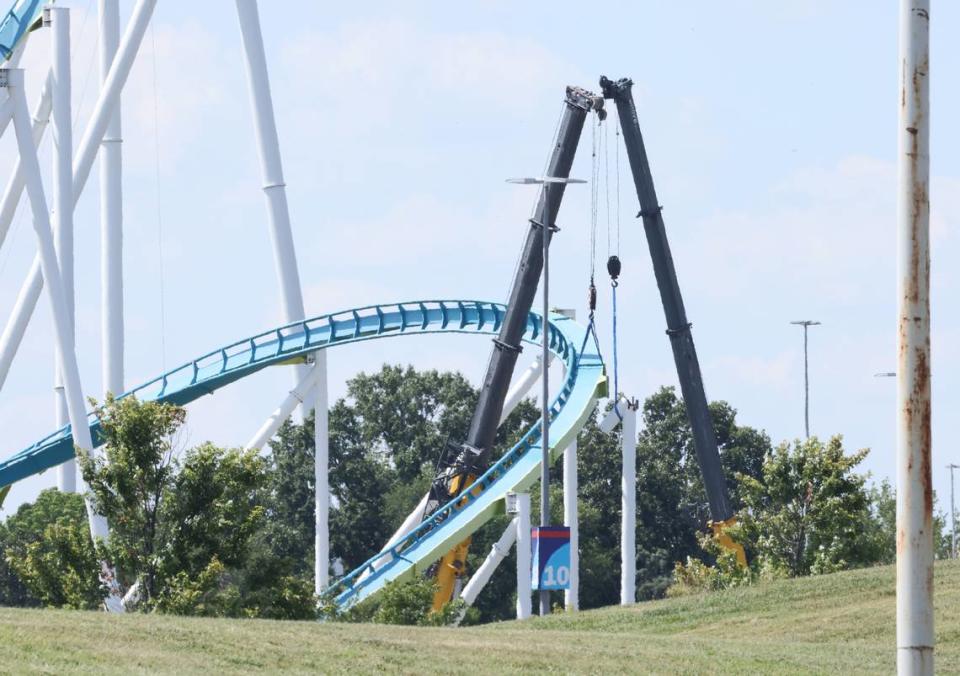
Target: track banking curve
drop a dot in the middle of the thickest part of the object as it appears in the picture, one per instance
(517, 469)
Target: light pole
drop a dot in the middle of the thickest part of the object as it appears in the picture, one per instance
(806, 324)
(953, 515)
(546, 181)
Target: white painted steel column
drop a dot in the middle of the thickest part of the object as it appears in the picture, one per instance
(321, 482)
(83, 163)
(59, 19)
(274, 188)
(111, 214)
(497, 554)
(524, 555)
(268, 144)
(55, 288)
(915, 638)
(290, 402)
(628, 507)
(571, 595)
(14, 188)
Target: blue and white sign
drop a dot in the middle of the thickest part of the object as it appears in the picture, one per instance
(551, 557)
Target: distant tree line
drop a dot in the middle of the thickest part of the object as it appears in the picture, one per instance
(228, 532)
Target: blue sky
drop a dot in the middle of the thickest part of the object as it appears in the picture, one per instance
(771, 130)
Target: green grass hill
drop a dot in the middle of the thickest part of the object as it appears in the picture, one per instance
(842, 623)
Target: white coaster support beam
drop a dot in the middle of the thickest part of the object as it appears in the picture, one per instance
(83, 163)
(59, 19)
(293, 399)
(497, 554)
(524, 556)
(51, 271)
(274, 189)
(111, 214)
(628, 506)
(571, 595)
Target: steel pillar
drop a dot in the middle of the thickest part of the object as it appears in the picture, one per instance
(915, 638)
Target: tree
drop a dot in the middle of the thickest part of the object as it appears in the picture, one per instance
(31, 538)
(130, 481)
(385, 437)
(809, 510)
(184, 529)
(60, 568)
(672, 506)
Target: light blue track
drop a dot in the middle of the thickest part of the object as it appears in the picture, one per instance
(16, 23)
(516, 470)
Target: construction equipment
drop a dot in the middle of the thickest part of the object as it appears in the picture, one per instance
(474, 454)
(678, 327)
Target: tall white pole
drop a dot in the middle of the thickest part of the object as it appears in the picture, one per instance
(274, 188)
(321, 493)
(14, 187)
(111, 214)
(524, 580)
(59, 19)
(268, 144)
(628, 506)
(83, 163)
(51, 271)
(914, 476)
(571, 595)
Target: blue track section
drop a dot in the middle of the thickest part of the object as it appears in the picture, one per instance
(516, 470)
(16, 23)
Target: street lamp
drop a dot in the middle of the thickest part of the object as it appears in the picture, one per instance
(806, 324)
(549, 228)
(953, 515)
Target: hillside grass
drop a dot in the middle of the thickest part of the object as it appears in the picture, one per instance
(840, 623)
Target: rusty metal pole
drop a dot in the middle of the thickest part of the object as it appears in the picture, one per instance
(914, 480)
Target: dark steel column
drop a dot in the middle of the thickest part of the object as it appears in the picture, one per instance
(503, 359)
(678, 328)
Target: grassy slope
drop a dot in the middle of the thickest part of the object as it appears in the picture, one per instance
(841, 623)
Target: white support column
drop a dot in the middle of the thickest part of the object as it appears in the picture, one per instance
(6, 114)
(83, 163)
(14, 188)
(628, 506)
(915, 635)
(524, 555)
(111, 214)
(497, 554)
(571, 595)
(59, 19)
(55, 288)
(268, 144)
(274, 189)
(321, 482)
(290, 402)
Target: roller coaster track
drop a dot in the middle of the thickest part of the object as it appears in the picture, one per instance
(516, 470)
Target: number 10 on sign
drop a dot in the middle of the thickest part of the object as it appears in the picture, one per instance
(551, 557)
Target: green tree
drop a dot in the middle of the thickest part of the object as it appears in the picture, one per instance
(809, 511)
(54, 522)
(61, 568)
(672, 506)
(130, 481)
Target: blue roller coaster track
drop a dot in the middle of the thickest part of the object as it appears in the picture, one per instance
(516, 470)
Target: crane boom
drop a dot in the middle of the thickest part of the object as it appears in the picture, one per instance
(474, 454)
(678, 327)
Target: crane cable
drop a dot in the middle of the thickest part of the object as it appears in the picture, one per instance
(594, 201)
(614, 265)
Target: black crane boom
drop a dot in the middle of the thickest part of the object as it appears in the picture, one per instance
(678, 328)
